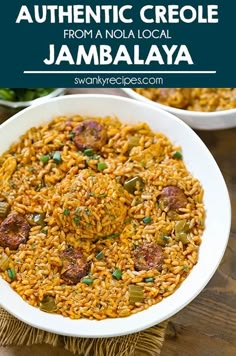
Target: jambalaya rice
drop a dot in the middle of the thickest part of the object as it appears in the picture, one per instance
(98, 218)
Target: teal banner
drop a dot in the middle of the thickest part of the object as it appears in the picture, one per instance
(182, 43)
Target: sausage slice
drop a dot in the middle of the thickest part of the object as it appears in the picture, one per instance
(74, 267)
(89, 134)
(14, 230)
(148, 256)
(173, 197)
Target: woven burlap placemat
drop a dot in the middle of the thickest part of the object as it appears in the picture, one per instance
(149, 342)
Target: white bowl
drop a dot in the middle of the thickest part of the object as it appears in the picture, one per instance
(198, 160)
(216, 120)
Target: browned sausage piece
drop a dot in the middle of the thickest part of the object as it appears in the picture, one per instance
(173, 197)
(14, 230)
(148, 256)
(74, 267)
(89, 134)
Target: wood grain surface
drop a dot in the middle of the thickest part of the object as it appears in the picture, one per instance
(207, 326)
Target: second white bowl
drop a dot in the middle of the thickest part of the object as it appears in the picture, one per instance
(197, 120)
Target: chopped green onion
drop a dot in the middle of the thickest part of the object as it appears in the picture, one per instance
(66, 212)
(137, 201)
(147, 220)
(56, 157)
(149, 280)
(45, 159)
(165, 238)
(177, 155)
(87, 281)
(101, 166)
(100, 255)
(112, 236)
(102, 195)
(108, 237)
(44, 231)
(93, 158)
(117, 274)
(185, 268)
(72, 134)
(88, 152)
(11, 273)
(77, 220)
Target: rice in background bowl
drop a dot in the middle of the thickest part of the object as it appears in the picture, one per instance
(192, 114)
(198, 161)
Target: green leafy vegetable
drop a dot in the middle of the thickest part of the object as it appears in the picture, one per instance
(23, 94)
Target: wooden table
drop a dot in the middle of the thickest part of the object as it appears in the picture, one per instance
(207, 326)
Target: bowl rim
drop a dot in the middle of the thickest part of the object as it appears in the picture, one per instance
(80, 328)
(23, 104)
(173, 110)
